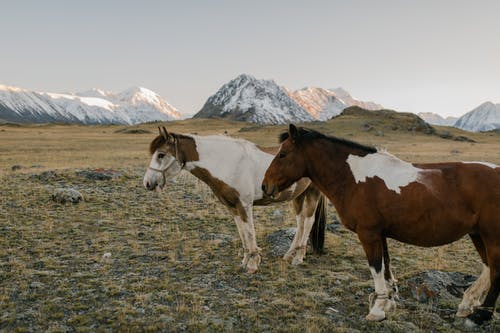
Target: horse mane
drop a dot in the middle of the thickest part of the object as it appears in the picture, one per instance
(160, 141)
(310, 134)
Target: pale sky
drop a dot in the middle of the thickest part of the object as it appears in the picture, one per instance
(418, 56)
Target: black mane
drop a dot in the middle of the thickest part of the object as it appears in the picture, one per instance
(309, 134)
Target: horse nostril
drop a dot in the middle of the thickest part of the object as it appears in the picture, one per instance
(263, 187)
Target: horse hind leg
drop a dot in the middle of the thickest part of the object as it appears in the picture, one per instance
(484, 312)
(475, 294)
(390, 280)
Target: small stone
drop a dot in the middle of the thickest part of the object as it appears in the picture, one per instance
(64, 195)
(280, 241)
(16, 167)
(106, 255)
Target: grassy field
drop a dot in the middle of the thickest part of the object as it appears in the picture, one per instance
(127, 259)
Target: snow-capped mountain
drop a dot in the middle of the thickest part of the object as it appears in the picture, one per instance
(435, 119)
(352, 101)
(259, 101)
(132, 106)
(323, 104)
(485, 117)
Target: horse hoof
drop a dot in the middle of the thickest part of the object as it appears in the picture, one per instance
(251, 270)
(375, 317)
(297, 261)
(463, 312)
(288, 256)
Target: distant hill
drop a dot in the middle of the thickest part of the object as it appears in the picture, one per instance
(435, 119)
(132, 106)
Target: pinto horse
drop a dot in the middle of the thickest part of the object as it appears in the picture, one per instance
(378, 195)
(233, 169)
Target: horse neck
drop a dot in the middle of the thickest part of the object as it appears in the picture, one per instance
(328, 170)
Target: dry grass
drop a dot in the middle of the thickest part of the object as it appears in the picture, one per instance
(163, 272)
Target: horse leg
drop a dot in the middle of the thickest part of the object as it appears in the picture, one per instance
(485, 311)
(252, 257)
(476, 293)
(239, 225)
(373, 246)
(308, 213)
(390, 281)
(297, 208)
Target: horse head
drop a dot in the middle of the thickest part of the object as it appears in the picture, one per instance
(166, 160)
(289, 164)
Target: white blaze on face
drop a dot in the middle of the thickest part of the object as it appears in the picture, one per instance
(394, 172)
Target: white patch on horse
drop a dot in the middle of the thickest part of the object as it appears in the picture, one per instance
(220, 155)
(394, 172)
(491, 165)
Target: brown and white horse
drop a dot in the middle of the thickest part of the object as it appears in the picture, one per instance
(378, 195)
(233, 169)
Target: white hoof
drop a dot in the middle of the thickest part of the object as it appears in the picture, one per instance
(297, 261)
(379, 316)
(464, 311)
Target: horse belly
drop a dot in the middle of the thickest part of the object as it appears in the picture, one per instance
(430, 227)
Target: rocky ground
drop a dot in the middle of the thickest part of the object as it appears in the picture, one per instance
(91, 250)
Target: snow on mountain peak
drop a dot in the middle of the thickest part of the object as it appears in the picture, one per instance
(95, 106)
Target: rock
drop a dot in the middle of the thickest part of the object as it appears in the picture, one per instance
(45, 176)
(432, 285)
(222, 239)
(16, 167)
(99, 174)
(280, 241)
(64, 195)
(277, 215)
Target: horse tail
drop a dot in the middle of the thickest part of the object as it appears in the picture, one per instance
(317, 235)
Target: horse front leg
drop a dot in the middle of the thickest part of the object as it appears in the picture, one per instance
(379, 301)
(246, 229)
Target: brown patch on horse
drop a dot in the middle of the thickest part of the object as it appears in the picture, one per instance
(186, 147)
(226, 194)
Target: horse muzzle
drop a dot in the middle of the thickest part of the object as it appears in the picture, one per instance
(270, 191)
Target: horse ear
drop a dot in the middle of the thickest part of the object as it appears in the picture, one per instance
(293, 132)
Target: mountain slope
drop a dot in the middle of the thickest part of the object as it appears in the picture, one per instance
(323, 104)
(485, 117)
(435, 119)
(259, 101)
(135, 105)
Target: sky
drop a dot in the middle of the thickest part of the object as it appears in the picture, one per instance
(436, 56)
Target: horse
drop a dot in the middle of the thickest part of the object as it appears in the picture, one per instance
(233, 169)
(377, 196)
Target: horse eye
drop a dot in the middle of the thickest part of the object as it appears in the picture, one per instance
(160, 156)
(282, 155)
